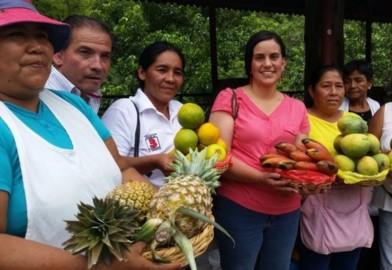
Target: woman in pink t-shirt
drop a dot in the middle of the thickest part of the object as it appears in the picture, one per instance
(257, 207)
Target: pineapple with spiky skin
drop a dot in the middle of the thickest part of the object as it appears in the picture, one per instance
(190, 186)
(103, 231)
(182, 207)
(134, 194)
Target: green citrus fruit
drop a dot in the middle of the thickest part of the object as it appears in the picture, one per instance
(185, 139)
(191, 116)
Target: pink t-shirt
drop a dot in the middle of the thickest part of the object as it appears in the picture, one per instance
(255, 134)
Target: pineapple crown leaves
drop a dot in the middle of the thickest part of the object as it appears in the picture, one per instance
(196, 165)
(102, 231)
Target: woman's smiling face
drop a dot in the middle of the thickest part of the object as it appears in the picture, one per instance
(267, 63)
(163, 78)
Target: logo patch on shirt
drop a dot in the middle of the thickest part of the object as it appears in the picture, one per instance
(152, 142)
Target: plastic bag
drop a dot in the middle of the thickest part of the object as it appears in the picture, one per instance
(355, 178)
(306, 176)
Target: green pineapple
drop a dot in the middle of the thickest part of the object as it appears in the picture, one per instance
(103, 231)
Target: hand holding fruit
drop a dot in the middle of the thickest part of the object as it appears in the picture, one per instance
(164, 162)
(275, 181)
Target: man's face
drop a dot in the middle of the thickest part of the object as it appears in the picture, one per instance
(86, 61)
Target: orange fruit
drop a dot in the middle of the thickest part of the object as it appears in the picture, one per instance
(214, 149)
(185, 139)
(208, 133)
(191, 116)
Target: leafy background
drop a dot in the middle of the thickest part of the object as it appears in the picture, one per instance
(136, 24)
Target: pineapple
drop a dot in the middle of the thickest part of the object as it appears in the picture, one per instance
(103, 231)
(189, 186)
(181, 208)
(135, 194)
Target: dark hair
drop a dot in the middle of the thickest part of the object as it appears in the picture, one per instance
(254, 40)
(320, 71)
(315, 78)
(361, 66)
(81, 21)
(152, 51)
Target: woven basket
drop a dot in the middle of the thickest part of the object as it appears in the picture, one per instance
(222, 166)
(200, 243)
(310, 188)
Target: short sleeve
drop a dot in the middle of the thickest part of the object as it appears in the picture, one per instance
(120, 119)
(223, 101)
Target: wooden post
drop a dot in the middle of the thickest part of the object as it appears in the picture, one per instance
(213, 45)
(323, 36)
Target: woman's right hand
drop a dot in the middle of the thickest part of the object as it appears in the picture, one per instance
(275, 181)
(164, 162)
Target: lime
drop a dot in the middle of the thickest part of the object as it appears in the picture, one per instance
(191, 116)
(185, 139)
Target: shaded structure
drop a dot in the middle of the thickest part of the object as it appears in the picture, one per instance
(324, 20)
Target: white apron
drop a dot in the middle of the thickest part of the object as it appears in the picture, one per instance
(55, 180)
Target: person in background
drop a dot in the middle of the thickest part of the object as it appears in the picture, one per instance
(381, 126)
(54, 150)
(258, 208)
(329, 238)
(82, 65)
(161, 75)
(358, 80)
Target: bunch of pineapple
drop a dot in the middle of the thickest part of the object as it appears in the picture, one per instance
(179, 210)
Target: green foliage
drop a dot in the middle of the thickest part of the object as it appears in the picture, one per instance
(138, 23)
(382, 53)
(61, 9)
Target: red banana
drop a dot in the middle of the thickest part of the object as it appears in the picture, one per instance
(271, 155)
(311, 143)
(278, 162)
(319, 154)
(327, 167)
(305, 165)
(300, 156)
(286, 147)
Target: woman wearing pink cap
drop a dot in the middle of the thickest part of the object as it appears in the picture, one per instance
(54, 150)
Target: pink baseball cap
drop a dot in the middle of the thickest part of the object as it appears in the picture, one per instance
(20, 11)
